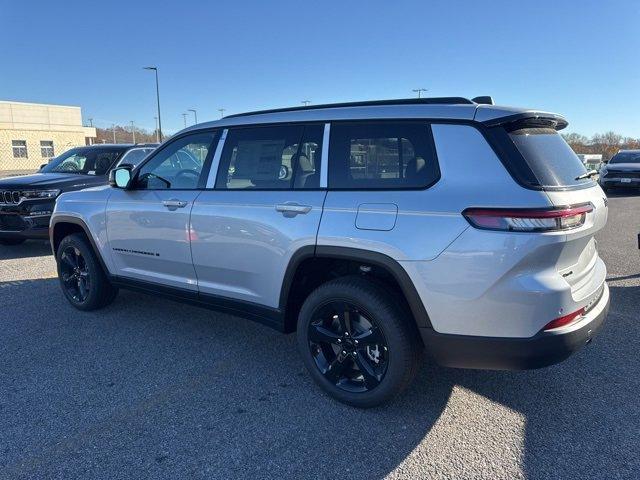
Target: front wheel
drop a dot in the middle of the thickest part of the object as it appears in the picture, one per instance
(82, 279)
(356, 342)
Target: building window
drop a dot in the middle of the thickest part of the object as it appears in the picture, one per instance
(19, 148)
(46, 148)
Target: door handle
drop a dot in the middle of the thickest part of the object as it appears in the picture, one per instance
(292, 209)
(174, 204)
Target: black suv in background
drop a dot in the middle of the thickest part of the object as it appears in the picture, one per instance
(623, 170)
(26, 202)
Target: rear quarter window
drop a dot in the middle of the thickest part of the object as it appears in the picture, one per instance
(382, 155)
(551, 160)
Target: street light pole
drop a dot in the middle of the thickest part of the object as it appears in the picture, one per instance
(305, 102)
(221, 110)
(184, 117)
(155, 69)
(133, 132)
(195, 114)
(419, 91)
(157, 132)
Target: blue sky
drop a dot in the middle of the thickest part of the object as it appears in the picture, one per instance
(579, 58)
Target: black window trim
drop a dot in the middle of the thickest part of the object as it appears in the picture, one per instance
(302, 124)
(498, 145)
(206, 166)
(427, 122)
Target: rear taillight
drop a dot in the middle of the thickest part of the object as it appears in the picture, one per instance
(528, 219)
(564, 321)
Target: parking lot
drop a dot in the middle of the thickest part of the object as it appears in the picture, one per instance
(148, 388)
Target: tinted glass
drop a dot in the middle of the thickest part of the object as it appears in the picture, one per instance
(135, 156)
(307, 162)
(550, 158)
(382, 155)
(626, 157)
(179, 165)
(259, 158)
(90, 160)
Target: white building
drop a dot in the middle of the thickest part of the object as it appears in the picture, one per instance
(32, 133)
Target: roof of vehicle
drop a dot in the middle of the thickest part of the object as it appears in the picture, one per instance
(629, 151)
(445, 108)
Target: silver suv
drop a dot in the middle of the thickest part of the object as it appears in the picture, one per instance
(374, 230)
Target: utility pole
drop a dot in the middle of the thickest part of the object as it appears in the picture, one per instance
(184, 117)
(221, 110)
(133, 132)
(113, 128)
(305, 102)
(155, 69)
(419, 91)
(157, 132)
(195, 114)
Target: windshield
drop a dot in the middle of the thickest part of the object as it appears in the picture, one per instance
(87, 160)
(135, 156)
(626, 157)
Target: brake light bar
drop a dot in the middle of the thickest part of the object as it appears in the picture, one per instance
(528, 219)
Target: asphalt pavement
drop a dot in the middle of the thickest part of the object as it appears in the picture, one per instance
(149, 388)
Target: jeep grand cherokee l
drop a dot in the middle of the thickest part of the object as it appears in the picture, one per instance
(26, 202)
(373, 230)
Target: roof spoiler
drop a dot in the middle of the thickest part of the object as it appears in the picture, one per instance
(529, 120)
(483, 100)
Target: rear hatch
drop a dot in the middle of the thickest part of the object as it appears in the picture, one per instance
(549, 164)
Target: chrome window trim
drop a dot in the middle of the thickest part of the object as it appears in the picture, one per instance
(215, 162)
(324, 158)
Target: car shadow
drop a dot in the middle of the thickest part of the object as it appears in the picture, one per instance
(149, 385)
(30, 248)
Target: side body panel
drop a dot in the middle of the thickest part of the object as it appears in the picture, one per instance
(242, 244)
(149, 241)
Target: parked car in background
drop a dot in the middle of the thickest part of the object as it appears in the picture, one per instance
(26, 202)
(374, 230)
(623, 170)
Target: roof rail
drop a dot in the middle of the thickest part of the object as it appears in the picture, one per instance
(370, 103)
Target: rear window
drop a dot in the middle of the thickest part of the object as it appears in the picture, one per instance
(551, 160)
(382, 155)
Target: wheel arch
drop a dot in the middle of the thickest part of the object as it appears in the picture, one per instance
(303, 257)
(64, 225)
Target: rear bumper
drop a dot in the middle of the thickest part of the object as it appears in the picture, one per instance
(495, 353)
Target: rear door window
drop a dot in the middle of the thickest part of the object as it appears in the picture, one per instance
(382, 155)
(551, 160)
(271, 158)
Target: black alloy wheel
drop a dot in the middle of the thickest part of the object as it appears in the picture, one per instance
(74, 273)
(348, 347)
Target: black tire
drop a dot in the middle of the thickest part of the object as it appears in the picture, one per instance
(373, 305)
(97, 290)
(12, 241)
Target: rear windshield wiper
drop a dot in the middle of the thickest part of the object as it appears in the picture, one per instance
(588, 174)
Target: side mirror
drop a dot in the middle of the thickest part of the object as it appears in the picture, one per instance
(43, 165)
(120, 177)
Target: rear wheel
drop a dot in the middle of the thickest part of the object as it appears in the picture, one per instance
(356, 342)
(11, 241)
(82, 279)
